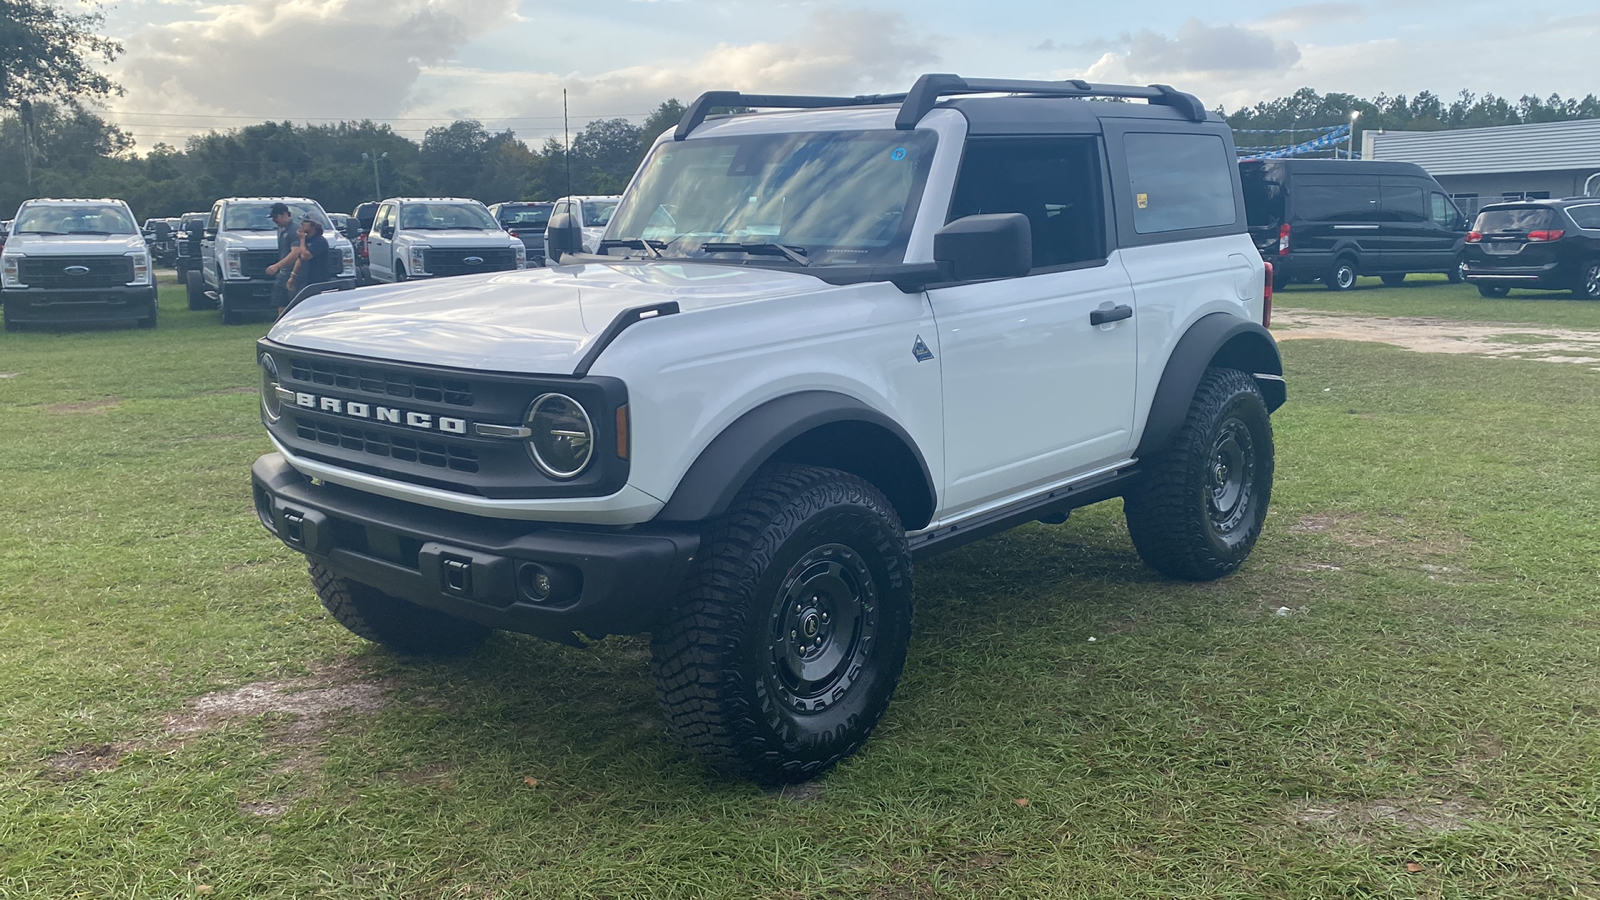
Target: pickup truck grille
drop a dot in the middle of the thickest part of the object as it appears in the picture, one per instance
(381, 382)
(254, 263)
(98, 271)
(454, 262)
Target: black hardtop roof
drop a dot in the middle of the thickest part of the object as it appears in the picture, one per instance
(1036, 102)
(1340, 166)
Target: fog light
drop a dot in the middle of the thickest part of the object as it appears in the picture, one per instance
(536, 583)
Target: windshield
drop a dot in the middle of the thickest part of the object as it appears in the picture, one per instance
(835, 198)
(1521, 219)
(598, 213)
(258, 216)
(445, 217)
(526, 216)
(89, 218)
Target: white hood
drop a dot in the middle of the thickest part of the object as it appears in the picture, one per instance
(534, 321)
(463, 239)
(73, 244)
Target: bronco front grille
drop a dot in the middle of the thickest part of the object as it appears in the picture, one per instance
(382, 382)
(439, 454)
(88, 271)
(454, 262)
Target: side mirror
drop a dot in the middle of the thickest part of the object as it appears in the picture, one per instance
(995, 245)
(562, 236)
(209, 234)
(386, 232)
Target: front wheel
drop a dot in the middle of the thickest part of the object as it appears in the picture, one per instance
(400, 625)
(194, 283)
(1342, 277)
(1198, 509)
(789, 638)
(1493, 290)
(1589, 285)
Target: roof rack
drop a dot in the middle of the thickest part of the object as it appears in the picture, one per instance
(926, 93)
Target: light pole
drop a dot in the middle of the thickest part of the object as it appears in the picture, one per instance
(1350, 139)
(377, 189)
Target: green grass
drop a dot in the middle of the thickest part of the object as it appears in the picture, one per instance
(1432, 538)
(1431, 295)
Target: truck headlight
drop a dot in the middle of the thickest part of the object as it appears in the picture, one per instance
(562, 442)
(349, 269)
(12, 276)
(416, 260)
(271, 403)
(141, 268)
(522, 254)
(234, 261)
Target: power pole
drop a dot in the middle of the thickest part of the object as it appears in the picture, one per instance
(566, 138)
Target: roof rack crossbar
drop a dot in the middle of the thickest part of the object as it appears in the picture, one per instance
(925, 94)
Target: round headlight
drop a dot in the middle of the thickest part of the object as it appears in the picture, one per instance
(270, 404)
(563, 437)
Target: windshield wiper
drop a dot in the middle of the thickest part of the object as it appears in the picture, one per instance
(96, 232)
(635, 244)
(54, 233)
(793, 253)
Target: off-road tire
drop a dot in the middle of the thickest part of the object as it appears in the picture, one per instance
(1183, 518)
(1394, 280)
(1588, 283)
(805, 554)
(1493, 291)
(194, 284)
(400, 625)
(1342, 275)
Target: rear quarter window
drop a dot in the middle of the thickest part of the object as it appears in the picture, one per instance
(1586, 217)
(1179, 181)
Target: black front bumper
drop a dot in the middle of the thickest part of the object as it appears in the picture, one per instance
(79, 306)
(250, 296)
(601, 581)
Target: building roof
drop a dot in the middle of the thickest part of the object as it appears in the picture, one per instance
(1542, 147)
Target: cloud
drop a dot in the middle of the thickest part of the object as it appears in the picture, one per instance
(300, 58)
(1311, 15)
(1208, 49)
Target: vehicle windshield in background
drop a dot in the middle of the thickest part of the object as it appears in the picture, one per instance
(1504, 221)
(258, 216)
(831, 198)
(599, 212)
(526, 216)
(445, 217)
(85, 219)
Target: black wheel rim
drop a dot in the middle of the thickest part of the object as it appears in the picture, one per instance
(1231, 476)
(1461, 271)
(823, 627)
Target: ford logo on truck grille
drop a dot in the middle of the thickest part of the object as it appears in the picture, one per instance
(473, 260)
(76, 270)
(373, 412)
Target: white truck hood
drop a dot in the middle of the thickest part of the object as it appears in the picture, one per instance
(462, 239)
(533, 321)
(73, 244)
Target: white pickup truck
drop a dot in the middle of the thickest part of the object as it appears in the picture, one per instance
(432, 237)
(69, 262)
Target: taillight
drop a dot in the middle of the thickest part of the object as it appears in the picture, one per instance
(1283, 240)
(1266, 296)
(1542, 236)
(1474, 236)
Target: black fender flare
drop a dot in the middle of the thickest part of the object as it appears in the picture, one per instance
(707, 489)
(1216, 339)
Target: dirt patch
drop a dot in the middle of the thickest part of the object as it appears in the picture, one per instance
(800, 793)
(264, 809)
(1352, 821)
(81, 406)
(84, 760)
(1346, 528)
(1423, 335)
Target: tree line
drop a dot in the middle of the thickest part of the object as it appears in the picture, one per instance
(1426, 111)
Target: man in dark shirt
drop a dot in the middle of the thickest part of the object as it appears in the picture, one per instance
(284, 267)
(312, 265)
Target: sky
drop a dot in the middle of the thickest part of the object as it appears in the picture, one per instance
(191, 65)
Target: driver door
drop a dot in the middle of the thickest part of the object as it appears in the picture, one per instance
(380, 244)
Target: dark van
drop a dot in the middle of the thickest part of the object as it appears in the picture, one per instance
(1330, 220)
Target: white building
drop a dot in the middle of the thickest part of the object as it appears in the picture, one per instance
(1512, 162)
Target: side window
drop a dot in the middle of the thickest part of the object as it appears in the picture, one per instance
(216, 218)
(1442, 211)
(1403, 203)
(1055, 182)
(1179, 181)
(561, 208)
(1586, 217)
(385, 217)
(1326, 202)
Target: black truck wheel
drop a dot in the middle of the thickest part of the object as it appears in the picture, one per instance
(400, 625)
(1342, 276)
(787, 642)
(155, 310)
(1198, 509)
(195, 286)
(1493, 290)
(229, 316)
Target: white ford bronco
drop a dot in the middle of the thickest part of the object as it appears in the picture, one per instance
(815, 344)
(76, 261)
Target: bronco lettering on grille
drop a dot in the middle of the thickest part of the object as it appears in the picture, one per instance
(358, 410)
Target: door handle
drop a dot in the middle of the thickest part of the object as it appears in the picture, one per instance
(1107, 316)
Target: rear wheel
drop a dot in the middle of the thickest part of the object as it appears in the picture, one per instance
(1394, 280)
(1458, 272)
(400, 625)
(1589, 286)
(1342, 277)
(789, 638)
(1198, 509)
(1493, 290)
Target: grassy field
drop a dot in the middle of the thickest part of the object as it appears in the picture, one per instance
(1399, 696)
(1432, 296)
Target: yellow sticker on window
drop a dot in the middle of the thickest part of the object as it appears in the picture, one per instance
(1143, 200)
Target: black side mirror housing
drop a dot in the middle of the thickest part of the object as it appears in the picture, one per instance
(977, 248)
(562, 236)
(386, 232)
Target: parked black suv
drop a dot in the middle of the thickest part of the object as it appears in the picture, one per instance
(1545, 245)
(526, 221)
(1330, 220)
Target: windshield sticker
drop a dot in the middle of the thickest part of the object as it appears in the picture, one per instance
(898, 154)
